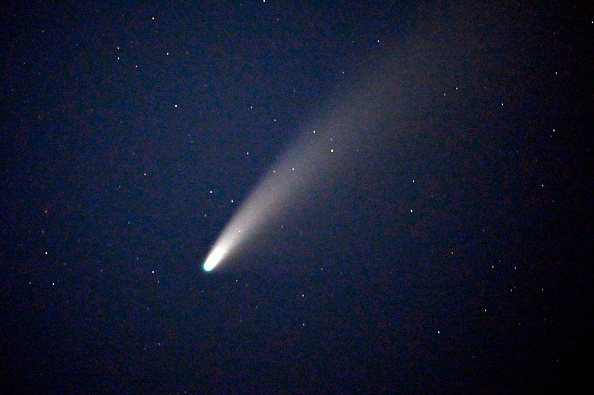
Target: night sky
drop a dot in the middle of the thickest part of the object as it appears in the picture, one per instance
(444, 252)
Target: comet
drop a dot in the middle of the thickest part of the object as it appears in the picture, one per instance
(315, 160)
(214, 258)
(385, 99)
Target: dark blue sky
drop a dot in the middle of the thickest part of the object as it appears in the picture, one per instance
(446, 254)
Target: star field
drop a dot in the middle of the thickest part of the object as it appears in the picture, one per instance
(437, 242)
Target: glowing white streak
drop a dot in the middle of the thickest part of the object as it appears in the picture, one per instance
(214, 258)
(389, 93)
(306, 166)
